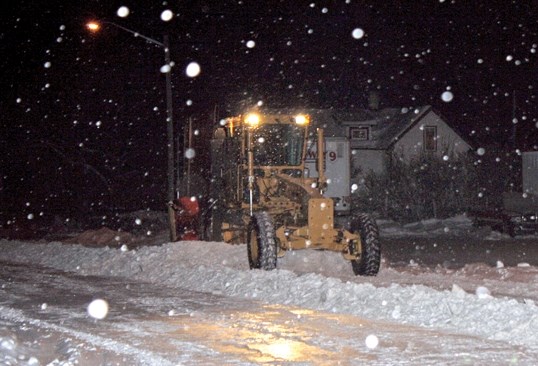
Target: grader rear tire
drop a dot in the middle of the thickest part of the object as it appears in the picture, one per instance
(370, 259)
(261, 242)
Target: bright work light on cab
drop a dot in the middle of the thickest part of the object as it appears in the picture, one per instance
(301, 119)
(252, 119)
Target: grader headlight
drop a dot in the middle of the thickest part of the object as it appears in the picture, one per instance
(252, 119)
(302, 119)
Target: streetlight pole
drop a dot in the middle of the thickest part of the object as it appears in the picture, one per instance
(94, 26)
(169, 124)
(170, 144)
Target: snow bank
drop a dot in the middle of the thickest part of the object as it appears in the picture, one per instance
(454, 226)
(223, 269)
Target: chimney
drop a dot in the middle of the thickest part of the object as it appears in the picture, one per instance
(373, 100)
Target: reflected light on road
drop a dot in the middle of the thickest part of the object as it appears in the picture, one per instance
(284, 349)
(274, 334)
(260, 337)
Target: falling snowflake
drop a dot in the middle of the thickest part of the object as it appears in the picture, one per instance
(190, 153)
(193, 69)
(98, 309)
(357, 33)
(123, 11)
(371, 341)
(167, 15)
(166, 68)
(447, 96)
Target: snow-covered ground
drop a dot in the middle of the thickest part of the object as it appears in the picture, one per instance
(475, 315)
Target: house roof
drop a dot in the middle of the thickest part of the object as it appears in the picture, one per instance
(387, 125)
(391, 125)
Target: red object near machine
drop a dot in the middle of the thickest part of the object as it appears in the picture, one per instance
(187, 212)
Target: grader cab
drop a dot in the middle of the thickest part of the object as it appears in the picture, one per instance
(263, 195)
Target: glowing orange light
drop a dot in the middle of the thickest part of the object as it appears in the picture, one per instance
(252, 119)
(93, 26)
(302, 119)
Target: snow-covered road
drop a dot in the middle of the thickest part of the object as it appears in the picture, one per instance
(197, 303)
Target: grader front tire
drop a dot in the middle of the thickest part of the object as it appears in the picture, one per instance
(370, 258)
(261, 242)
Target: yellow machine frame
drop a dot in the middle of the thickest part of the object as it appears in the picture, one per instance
(319, 232)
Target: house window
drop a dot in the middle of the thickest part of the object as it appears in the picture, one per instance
(430, 138)
(359, 133)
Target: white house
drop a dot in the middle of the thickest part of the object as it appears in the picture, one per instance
(375, 135)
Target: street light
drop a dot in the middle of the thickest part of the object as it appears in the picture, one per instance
(95, 26)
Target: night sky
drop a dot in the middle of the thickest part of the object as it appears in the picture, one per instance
(83, 114)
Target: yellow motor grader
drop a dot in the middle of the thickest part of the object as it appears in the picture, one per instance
(262, 194)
